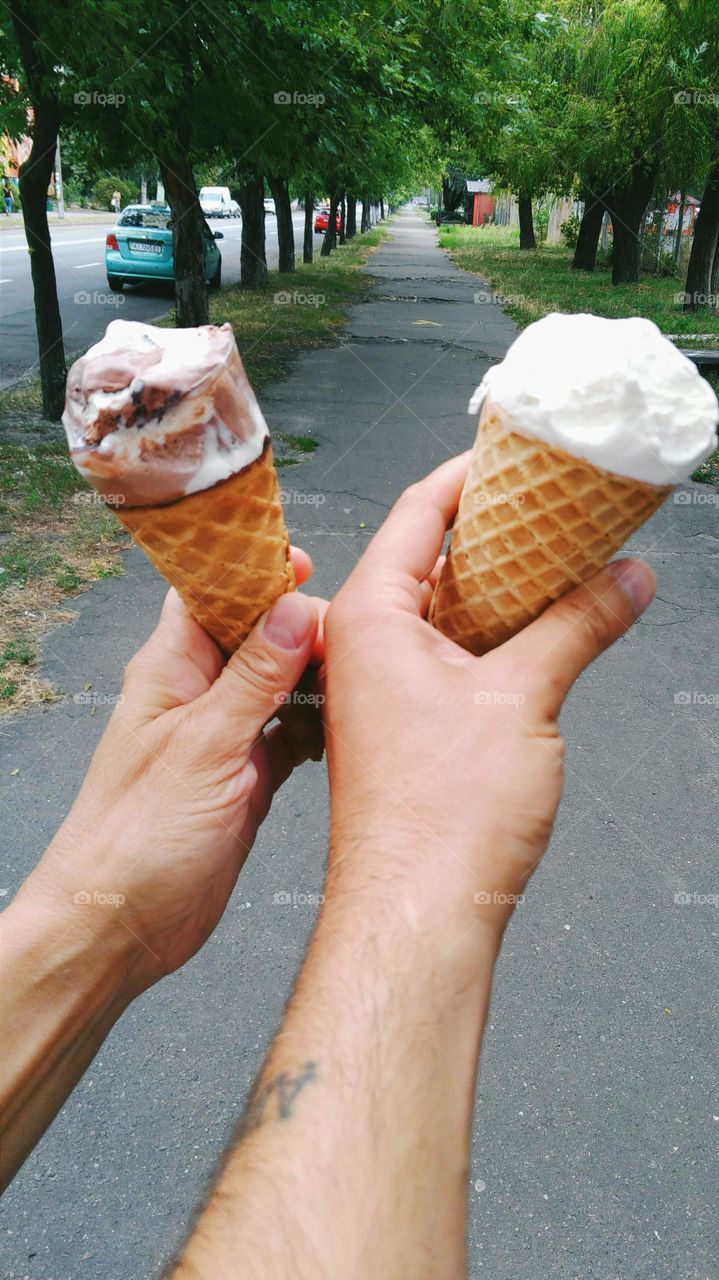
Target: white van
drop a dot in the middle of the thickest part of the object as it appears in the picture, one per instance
(216, 202)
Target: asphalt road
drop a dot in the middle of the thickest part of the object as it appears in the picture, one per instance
(86, 303)
(595, 1154)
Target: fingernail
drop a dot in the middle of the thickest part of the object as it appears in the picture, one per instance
(637, 582)
(288, 622)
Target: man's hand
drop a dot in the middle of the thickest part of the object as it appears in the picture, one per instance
(446, 769)
(445, 775)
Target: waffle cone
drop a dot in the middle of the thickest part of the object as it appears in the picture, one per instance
(533, 521)
(225, 549)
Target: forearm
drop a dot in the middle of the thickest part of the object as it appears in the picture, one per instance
(353, 1154)
(64, 986)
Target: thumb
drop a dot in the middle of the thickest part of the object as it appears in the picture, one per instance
(266, 667)
(572, 632)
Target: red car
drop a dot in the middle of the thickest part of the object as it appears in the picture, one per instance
(322, 217)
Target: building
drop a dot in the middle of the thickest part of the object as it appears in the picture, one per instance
(481, 201)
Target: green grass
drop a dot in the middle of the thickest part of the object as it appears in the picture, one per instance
(303, 444)
(19, 651)
(530, 284)
(34, 478)
(538, 281)
(50, 545)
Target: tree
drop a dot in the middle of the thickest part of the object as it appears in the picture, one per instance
(625, 129)
(701, 271)
(33, 32)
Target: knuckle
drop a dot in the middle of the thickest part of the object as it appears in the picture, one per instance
(589, 618)
(255, 668)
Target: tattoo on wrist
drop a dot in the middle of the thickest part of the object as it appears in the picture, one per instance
(275, 1100)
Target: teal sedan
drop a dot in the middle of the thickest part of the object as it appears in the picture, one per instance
(139, 247)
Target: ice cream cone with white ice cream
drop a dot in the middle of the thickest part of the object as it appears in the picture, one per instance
(585, 428)
(165, 425)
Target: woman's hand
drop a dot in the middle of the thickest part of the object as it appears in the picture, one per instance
(179, 785)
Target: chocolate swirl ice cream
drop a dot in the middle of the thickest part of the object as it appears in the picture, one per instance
(153, 415)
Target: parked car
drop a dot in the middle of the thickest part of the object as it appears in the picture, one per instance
(322, 217)
(235, 210)
(216, 202)
(139, 247)
(270, 207)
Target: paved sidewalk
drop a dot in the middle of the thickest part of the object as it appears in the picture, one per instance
(73, 217)
(594, 1127)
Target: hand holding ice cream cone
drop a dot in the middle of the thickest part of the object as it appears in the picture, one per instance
(585, 427)
(165, 425)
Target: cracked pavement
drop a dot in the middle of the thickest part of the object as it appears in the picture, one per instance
(596, 1119)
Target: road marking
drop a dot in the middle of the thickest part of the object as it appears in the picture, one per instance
(79, 266)
(59, 244)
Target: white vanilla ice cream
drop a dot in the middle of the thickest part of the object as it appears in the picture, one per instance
(614, 392)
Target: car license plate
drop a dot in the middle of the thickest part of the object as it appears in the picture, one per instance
(144, 246)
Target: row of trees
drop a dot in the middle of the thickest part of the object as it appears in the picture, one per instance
(613, 101)
(332, 99)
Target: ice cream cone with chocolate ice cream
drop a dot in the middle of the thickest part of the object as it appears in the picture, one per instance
(165, 425)
(585, 428)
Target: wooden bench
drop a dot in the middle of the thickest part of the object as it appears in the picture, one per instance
(705, 361)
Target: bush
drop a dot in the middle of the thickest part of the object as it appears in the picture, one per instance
(569, 230)
(541, 223)
(104, 187)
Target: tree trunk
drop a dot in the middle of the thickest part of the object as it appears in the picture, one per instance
(343, 218)
(627, 207)
(309, 219)
(585, 250)
(351, 229)
(253, 263)
(527, 238)
(285, 229)
(34, 177)
(365, 223)
(381, 209)
(698, 286)
(680, 228)
(330, 237)
(188, 241)
(715, 276)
